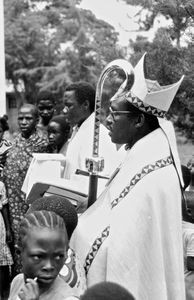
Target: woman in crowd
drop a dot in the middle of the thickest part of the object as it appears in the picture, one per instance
(58, 133)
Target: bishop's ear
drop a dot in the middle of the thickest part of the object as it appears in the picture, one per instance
(86, 104)
(140, 120)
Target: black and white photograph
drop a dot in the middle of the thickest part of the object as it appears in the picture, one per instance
(96, 150)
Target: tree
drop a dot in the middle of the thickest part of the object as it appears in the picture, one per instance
(91, 51)
(50, 45)
(167, 63)
(180, 12)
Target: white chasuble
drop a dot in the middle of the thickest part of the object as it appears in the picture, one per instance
(132, 234)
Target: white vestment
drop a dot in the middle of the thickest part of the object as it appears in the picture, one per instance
(132, 234)
(80, 148)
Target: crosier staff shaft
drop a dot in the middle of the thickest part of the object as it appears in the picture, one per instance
(95, 164)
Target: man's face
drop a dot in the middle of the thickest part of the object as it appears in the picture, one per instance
(73, 110)
(46, 109)
(121, 123)
(27, 121)
(43, 255)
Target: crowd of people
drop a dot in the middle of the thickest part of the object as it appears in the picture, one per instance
(137, 240)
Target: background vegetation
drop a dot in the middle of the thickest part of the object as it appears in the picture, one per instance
(51, 43)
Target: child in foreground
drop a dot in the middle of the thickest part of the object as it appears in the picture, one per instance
(43, 246)
(72, 271)
(107, 291)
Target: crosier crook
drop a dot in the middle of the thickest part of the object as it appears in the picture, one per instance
(95, 164)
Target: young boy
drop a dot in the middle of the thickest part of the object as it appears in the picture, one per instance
(72, 271)
(46, 105)
(43, 246)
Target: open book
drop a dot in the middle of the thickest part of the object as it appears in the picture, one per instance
(75, 190)
(69, 189)
(43, 165)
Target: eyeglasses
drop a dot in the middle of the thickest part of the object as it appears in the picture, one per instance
(118, 112)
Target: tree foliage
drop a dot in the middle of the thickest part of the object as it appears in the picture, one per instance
(167, 64)
(168, 57)
(50, 43)
(180, 12)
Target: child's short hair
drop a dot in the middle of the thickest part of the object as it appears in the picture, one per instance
(107, 291)
(63, 123)
(61, 207)
(45, 95)
(43, 218)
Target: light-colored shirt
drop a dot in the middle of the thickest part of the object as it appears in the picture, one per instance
(81, 145)
(59, 290)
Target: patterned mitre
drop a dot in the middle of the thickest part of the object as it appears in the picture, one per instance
(148, 95)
